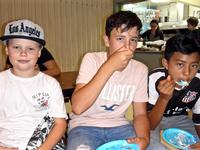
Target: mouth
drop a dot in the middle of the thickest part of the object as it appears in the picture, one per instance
(181, 84)
(23, 61)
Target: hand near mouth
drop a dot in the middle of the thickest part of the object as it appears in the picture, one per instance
(166, 88)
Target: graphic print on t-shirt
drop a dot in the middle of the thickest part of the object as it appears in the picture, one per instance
(109, 108)
(190, 96)
(40, 134)
(40, 100)
(113, 95)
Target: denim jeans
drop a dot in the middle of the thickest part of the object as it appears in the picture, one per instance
(90, 138)
(182, 122)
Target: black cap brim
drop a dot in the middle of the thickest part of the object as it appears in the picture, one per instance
(41, 41)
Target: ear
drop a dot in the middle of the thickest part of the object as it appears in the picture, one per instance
(39, 54)
(165, 63)
(6, 49)
(106, 40)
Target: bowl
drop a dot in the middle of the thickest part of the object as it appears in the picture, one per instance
(177, 138)
(118, 145)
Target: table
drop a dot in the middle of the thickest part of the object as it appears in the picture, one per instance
(67, 82)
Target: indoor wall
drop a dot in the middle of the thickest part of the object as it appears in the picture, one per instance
(72, 27)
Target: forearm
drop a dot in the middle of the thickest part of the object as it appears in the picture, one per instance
(156, 114)
(52, 72)
(55, 135)
(197, 127)
(85, 96)
(142, 128)
(52, 68)
(5, 148)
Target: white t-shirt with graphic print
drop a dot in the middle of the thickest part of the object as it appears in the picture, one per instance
(120, 91)
(23, 104)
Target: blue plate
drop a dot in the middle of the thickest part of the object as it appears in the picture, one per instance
(178, 138)
(118, 145)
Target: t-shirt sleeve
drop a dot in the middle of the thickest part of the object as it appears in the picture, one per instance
(87, 69)
(196, 112)
(144, 34)
(141, 90)
(45, 56)
(57, 107)
(161, 35)
(153, 94)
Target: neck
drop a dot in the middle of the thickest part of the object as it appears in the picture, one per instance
(24, 74)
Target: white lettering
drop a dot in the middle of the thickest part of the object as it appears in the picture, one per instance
(117, 93)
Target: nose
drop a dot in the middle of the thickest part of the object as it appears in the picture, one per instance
(186, 73)
(23, 52)
(127, 44)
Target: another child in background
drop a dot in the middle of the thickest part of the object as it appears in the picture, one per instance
(175, 89)
(192, 24)
(32, 110)
(107, 84)
(154, 33)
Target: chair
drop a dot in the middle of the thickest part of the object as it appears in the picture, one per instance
(67, 93)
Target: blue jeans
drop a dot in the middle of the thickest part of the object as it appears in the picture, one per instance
(90, 138)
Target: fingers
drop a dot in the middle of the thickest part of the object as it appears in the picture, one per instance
(142, 142)
(122, 48)
(169, 83)
(120, 58)
(133, 140)
(195, 146)
(169, 78)
(166, 87)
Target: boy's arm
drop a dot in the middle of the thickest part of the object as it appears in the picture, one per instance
(197, 127)
(55, 134)
(85, 94)
(5, 148)
(196, 146)
(166, 88)
(52, 68)
(156, 114)
(141, 125)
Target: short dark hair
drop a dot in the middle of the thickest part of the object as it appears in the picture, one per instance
(193, 21)
(120, 18)
(185, 44)
(154, 21)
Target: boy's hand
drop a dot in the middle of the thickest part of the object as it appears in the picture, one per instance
(195, 146)
(120, 59)
(142, 142)
(166, 88)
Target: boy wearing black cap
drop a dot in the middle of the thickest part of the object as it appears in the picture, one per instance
(32, 110)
